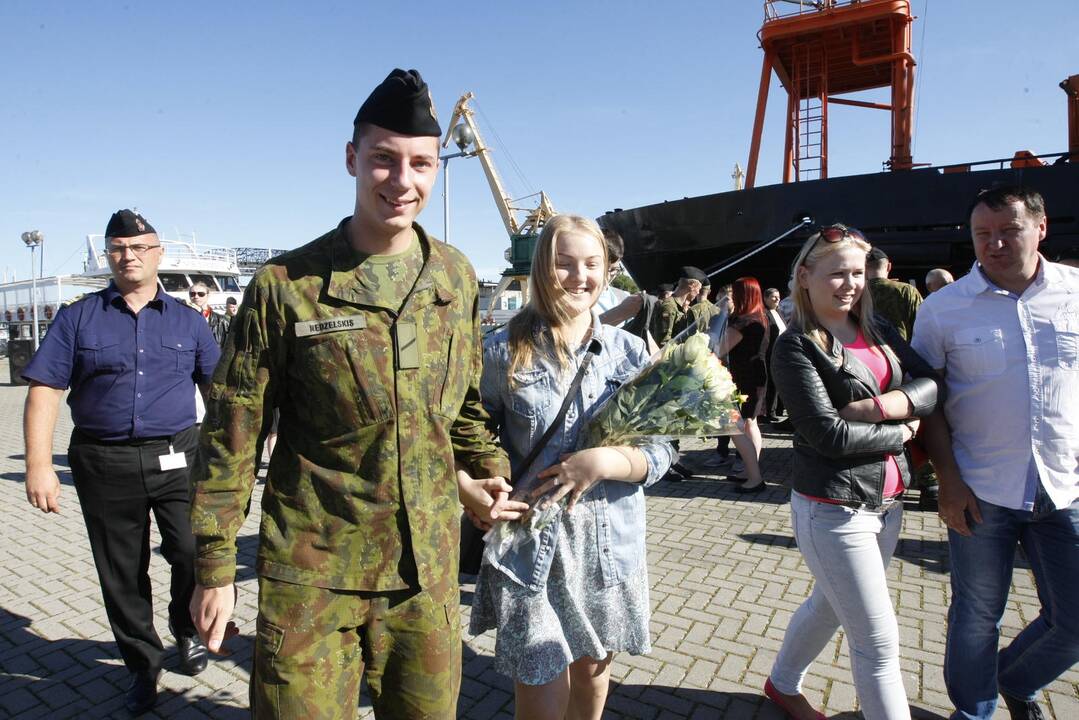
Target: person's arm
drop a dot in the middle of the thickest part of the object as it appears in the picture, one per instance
(49, 373)
(471, 436)
(623, 311)
(814, 415)
(730, 339)
(957, 505)
(207, 355)
(39, 422)
(225, 472)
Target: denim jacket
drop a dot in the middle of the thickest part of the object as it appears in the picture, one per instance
(522, 412)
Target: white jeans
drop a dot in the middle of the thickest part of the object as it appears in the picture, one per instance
(848, 552)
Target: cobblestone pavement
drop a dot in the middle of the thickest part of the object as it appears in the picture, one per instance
(725, 578)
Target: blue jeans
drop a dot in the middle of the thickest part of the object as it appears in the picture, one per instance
(981, 575)
(848, 552)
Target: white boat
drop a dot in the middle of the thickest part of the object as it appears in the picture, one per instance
(183, 263)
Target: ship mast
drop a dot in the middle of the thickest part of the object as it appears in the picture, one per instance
(821, 50)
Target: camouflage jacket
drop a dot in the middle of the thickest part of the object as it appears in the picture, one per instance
(668, 320)
(701, 314)
(375, 406)
(896, 301)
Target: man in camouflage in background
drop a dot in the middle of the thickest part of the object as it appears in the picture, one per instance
(367, 339)
(894, 300)
(669, 317)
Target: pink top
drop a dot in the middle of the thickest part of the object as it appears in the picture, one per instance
(882, 371)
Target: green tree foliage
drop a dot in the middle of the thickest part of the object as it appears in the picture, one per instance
(625, 282)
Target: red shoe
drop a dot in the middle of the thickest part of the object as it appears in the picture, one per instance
(774, 695)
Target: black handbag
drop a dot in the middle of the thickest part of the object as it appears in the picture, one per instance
(471, 536)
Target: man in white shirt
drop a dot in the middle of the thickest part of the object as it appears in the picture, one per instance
(1006, 338)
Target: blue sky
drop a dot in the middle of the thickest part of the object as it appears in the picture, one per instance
(229, 119)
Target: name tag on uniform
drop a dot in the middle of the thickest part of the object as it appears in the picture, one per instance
(337, 324)
(173, 460)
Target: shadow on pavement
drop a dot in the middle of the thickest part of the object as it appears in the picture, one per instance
(81, 678)
(719, 490)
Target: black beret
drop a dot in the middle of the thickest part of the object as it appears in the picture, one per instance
(693, 273)
(665, 287)
(402, 104)
(876, 255)
(127, 223)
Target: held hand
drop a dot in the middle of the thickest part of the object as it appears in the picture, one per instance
(43, 490)
(487, 499)
(575, 475)
(955, 501)
(211, 609)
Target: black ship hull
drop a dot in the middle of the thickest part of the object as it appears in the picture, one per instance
(918, 217)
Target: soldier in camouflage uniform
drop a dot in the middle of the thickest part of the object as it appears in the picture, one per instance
(367, 339)
(669, 317)
(702, 310)
(896, 301)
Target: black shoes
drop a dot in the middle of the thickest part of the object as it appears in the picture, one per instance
(746, 490)
(1023, 709)
(142, 692)
(192, 652)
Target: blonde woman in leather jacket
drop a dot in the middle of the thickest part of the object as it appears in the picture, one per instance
(852, 412)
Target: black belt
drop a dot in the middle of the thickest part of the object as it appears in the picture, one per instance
(130, 442)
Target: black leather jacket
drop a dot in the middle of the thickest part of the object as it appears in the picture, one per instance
(834, 458)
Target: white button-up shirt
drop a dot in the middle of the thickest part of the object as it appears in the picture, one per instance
(1011, 363)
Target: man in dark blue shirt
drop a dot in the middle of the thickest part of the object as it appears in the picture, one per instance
(132, 356)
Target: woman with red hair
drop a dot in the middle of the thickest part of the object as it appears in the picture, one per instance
(746, 341)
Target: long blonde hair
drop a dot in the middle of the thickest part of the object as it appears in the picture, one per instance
(803, 317)
(540, 324)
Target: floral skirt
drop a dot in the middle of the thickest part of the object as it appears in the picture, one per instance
(540, 633)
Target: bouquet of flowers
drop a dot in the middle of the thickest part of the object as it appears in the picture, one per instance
(685, 391)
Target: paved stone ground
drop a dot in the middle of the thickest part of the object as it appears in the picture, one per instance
(725, 579)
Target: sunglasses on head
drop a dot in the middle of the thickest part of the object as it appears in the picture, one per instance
(830, 234)
(196, 293)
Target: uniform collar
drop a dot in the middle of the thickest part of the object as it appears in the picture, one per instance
(433, 282)
(113, 297)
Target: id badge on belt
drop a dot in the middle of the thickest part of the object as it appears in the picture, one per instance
(173, 460)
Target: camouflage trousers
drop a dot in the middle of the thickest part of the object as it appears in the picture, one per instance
(313, 644)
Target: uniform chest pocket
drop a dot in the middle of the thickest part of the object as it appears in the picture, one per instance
(978, 351)
(179, 352)
(99, 353)
(340, 378)
(451, 368)
(531, 393)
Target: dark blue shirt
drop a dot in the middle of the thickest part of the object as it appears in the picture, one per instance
(131, 376)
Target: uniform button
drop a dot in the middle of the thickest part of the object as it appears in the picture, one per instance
(140, 349)
(138, 394)
(179, 345)
(140, 372)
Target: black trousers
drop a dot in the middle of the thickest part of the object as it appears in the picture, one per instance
(119, 484)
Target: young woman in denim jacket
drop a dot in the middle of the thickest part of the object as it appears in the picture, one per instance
(852, 412)
(577, 591)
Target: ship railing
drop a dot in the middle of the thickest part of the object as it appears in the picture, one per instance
(179, 250)
(778, 9)
(1017, 160)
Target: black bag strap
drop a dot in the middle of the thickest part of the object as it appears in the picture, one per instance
(550, 431)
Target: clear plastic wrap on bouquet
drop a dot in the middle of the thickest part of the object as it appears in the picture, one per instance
(684, 391)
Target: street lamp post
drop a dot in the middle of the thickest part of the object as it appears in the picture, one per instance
(33, 239)
(463, 136)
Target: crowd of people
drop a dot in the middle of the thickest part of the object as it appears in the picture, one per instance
(400, 422)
